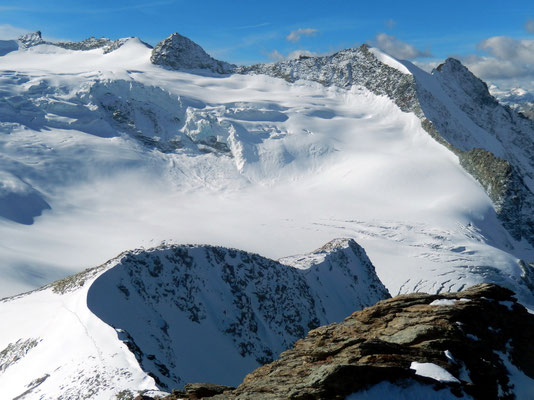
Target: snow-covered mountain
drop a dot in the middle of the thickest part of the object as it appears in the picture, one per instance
(162, 317)
(494, 144)
(107, 146)
(104, 151)
(516, 98)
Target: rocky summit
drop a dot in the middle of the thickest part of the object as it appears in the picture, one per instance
(179, 52)
(476, 344)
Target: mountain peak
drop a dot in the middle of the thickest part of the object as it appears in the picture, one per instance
(179, 52)
(453, 72)
(451, 62)
(31, 39)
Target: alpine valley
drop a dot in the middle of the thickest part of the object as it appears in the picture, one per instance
(214, 183)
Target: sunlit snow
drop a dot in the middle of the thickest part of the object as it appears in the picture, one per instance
(305, 164)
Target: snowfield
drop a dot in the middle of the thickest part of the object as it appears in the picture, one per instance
(106, 152)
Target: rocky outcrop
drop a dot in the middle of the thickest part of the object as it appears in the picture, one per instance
(472, 343)
(180, 53)
(31, 39)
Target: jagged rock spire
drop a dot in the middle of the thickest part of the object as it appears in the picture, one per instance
(31, 39)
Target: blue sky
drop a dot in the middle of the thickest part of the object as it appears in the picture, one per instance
(257, 31)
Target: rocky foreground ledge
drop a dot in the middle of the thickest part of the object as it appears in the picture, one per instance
(477, 343)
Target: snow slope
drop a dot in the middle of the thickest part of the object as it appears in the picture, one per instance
(109, 152)
(159, 318)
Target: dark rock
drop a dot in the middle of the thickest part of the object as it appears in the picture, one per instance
(204, 390)
(87, 44)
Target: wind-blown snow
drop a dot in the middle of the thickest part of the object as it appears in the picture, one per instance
(127, 154)
(388, 60)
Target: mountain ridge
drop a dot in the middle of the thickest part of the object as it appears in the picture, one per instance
(156, 317)
(243, 132)
(514, 200)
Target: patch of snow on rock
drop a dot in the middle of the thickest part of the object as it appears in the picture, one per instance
(447, 302)
(431, 370)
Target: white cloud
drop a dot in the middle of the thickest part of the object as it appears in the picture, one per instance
(295, 36)
(529, 25)
(8, 32)
(506, 48)
(275, 55)
(507, 58)
(397, 48)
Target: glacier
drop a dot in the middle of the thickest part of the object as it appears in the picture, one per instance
(111, 152)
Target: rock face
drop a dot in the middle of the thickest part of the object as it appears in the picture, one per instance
(475, 343)
(178, 52)
(229, 306)
(514, 202)
(31, 39)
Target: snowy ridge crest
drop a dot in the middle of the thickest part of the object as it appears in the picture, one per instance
(347, 68)
(257, 305)
(176, 309)
(455, 108)
(107, 45)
